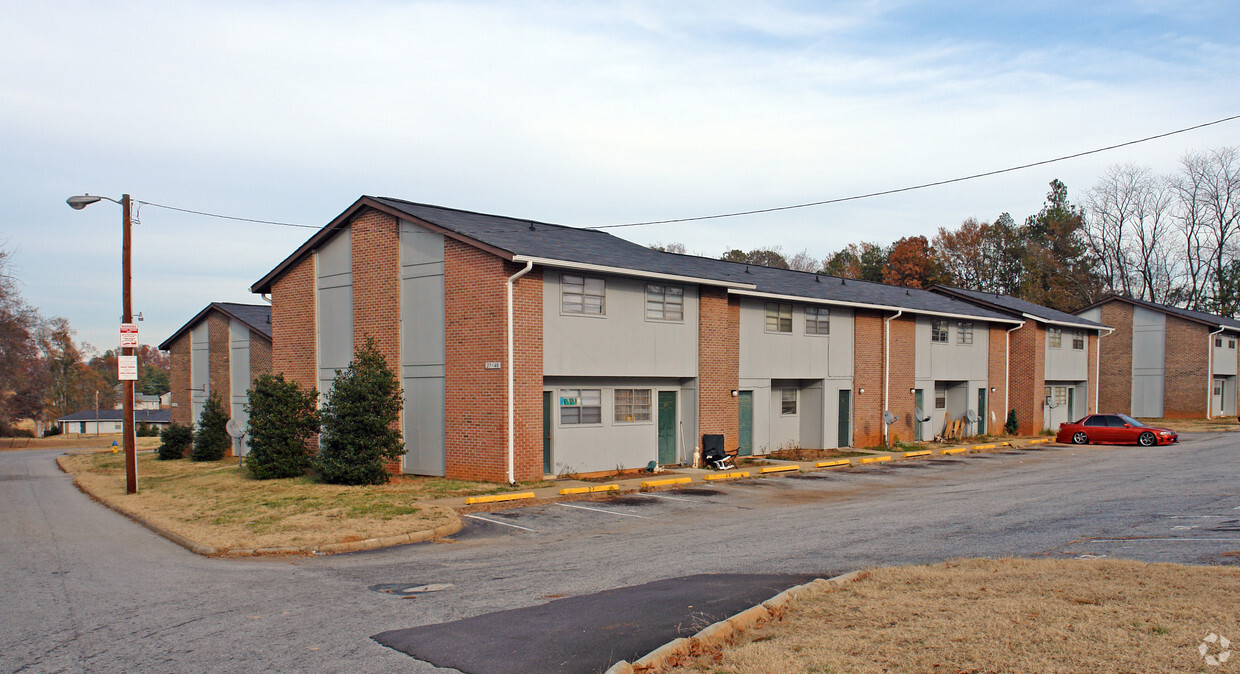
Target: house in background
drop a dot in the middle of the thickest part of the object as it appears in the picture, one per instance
(1165, 361)
(222, 349)
(526, 349)
(1054, 361)
(103, 422)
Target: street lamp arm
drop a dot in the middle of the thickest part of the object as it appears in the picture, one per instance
(79, 202)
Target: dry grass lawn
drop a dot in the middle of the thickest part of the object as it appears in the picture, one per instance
(217, 504)
(1010, 615)
(72, 442)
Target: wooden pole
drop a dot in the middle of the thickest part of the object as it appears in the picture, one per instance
(131, 449)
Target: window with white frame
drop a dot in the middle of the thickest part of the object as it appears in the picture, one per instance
(817, 321)
(582, 295)
(938, 331)
(1078, 340)
(1060, 396)
(581, 406)
(778, 317)
(664, 302)
(632, 404)
(964, 332)
(1054, 338)
(940, 396)
(787, 402)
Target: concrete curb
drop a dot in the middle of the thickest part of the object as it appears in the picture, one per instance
(727, 630)
(324, 548)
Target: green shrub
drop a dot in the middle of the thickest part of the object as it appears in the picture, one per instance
(145, 430)
(283, 416)
(211, 440)
(52, 431)
(358, 415)
(174, 440)
(1010, 427)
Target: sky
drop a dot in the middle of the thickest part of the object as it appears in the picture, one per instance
(573, 113)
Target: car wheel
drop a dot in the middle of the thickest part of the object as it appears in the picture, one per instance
(1080, 438)
(1146, 439)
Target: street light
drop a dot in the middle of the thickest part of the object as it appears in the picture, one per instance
(77, 203)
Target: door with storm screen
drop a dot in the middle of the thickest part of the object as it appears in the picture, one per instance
(667, 427)
(745, 403)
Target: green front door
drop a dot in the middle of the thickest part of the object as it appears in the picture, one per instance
(918, 402)
(981, 411)
(845, 436)
(546, 432)
(667, 427)
(1072, 403)
(745, 404)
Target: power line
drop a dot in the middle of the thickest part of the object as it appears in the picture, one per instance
(227, 217)
(918, 187)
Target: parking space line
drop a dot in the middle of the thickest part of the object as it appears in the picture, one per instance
(1188, 539)
(674, 498)
(599, 510)
(475, 517)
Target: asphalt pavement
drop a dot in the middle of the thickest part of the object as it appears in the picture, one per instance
(87, 590)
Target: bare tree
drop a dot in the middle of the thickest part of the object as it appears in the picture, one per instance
(1215, 176)
(803, 261)
(1129, 232)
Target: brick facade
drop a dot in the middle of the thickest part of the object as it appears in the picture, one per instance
(293, 332)
(1091, 377)
(1187, 378)
(1115, 386)
(719, 320)
(260, 355)
(868, 377)
(996, 365)
(179, 380)
(476, 415)
(901, 361)
(1028, 377)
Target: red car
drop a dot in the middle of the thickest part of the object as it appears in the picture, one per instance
(1114, 429)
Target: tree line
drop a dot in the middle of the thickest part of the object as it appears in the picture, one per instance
(1169, 239)
(46, 374)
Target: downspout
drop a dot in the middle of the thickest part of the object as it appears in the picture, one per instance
(1007, 370)
(1098, 366)
(1209, 371)
(512, 417)
(886, 367)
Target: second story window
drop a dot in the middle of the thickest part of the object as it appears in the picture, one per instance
(778, 317)
(1078, 340)
(817, 321)
(665, 303)
(582, 295)
(964, 332)
(938, 332)
(1054, 338)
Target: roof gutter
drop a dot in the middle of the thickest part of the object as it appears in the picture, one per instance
(887, 370)
(1210, 370)
(512, 419)
(1078, 326)
(625, 271)
(877, 307)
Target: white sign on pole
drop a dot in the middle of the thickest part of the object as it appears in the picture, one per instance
(127, 368)
(129, 335)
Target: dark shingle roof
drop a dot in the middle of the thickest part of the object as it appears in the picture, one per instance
(139, 416)
(521, 240)
(256, 316)
(1196, 316)
(1020, 307)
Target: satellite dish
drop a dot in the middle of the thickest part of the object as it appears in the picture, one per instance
(235, 428)
(971, 416)
(921, 415)
(888, 417)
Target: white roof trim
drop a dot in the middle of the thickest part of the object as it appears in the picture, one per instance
(625, 271)
(880, 307)
(1066, 324)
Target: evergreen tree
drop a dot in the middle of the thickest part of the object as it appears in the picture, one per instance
(174, 440)
(283, 416)
(211, 440)
(361, 408)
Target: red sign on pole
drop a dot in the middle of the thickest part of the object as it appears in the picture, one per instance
(129, 335)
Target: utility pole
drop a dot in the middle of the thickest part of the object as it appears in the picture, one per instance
(131, 442)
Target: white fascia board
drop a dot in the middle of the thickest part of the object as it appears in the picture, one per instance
(625, 271)
(1075, 326)
(879, 307)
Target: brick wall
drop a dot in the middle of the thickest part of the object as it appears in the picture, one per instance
(179, 380)
(868, 375)
(475, 317)
(1028, 377)
(1185, 392)
(260, 355)
(293, 345)
(375, 238)
(901, 361)
(996, 361)
(718, 365)
(1115, 387)
(1091, 377)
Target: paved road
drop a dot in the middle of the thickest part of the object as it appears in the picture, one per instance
(86, 590)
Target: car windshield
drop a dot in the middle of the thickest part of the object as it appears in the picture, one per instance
(1133, 422)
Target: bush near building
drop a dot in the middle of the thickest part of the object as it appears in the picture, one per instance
(211, 440)
(283, 417)
(358, 414)
(174, 440)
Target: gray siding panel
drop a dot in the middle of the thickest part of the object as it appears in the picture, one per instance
(794, 355)
(422, 359)
(200, 369)
(334, 293)
(1149, 346)
(239, 378)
